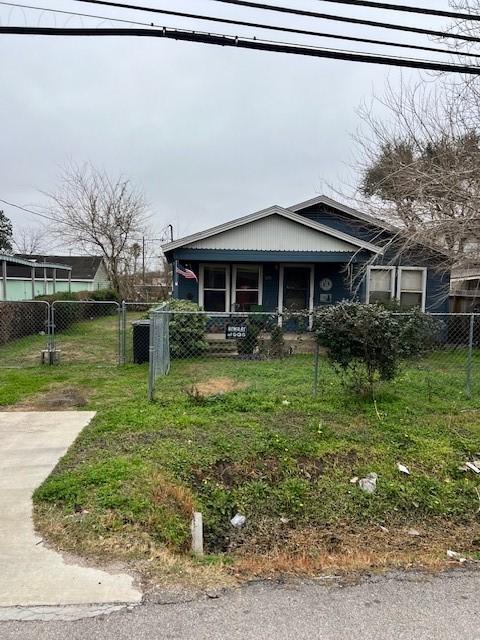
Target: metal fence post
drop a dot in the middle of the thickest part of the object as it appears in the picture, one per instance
(151, 358)
(317, 363)
(470, 356)
(120, 336)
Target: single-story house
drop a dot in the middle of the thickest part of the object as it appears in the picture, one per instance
(27, 276)
(302, 257)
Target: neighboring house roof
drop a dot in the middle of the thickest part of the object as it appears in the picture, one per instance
(286, 214)
(24, 262)
(82, 267)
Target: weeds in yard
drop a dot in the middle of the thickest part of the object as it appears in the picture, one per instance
(127, 487)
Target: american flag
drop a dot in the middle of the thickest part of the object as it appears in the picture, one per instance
(186, 273)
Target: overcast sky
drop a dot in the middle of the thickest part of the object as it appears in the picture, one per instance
(208, 133)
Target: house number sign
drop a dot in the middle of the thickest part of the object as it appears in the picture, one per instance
(236, 331)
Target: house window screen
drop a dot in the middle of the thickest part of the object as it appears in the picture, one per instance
(215, 288)
(411, 288)
(247, 288)
(380, 285)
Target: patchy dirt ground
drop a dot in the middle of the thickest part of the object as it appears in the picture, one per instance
(216, 387)
(57, 398)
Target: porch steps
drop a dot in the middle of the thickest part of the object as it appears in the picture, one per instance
(300, 343)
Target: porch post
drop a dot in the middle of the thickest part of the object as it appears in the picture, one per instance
(45, 284)
(311, 297)
(280, 294)
(4, 279)
(54, 281)
(32, 277)
(69, 281)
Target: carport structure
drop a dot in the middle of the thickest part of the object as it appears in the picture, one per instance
(38, 273)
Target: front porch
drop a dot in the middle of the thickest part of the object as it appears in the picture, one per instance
(282, 288)
(295, 343)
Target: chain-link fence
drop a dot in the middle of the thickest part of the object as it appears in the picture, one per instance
(202, 346)
(86, 331)
(25, 333)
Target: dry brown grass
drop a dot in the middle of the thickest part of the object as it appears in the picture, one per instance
(215, 387)
(347, 550)
(172, 495)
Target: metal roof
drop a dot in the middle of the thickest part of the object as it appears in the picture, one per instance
(4, 257)
(286, 213)
(82, 267)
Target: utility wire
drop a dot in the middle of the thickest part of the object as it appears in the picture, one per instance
(256, 25)
(440, 13)
(244, 43)
(35, 213)
(327, 16)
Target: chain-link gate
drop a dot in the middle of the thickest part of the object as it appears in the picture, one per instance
(25, 333)
(86, 332)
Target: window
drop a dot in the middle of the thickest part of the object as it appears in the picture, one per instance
(380, 285)
(411, 287)
(214, 287)
(247, 282)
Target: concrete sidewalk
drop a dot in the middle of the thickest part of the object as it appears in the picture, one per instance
(31, 443)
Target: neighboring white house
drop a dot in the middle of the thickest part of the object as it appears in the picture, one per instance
(24, 277)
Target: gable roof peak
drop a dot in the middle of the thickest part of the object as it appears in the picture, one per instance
(274, 209)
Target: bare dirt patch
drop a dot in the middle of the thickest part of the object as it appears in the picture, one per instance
(216, 387)
(59, 398)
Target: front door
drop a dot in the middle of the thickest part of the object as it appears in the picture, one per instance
(296, 294)
(296, 288)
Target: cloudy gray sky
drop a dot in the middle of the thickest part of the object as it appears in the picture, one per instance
(208, 133)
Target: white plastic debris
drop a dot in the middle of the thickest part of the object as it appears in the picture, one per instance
(414, 533)
(354, 480)
(286, 403)
(454, 555)
(369, 483)
(403, 469)
(384, 529)
(284, 520)
(238, 521)
(472, 467)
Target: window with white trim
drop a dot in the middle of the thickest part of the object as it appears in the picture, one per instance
(411, 287)
(215, 286)
(247, 286)
(381, 282)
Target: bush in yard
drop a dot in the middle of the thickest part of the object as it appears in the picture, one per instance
(419, 333)
(277, 342)
(187, 330)
(362, 341)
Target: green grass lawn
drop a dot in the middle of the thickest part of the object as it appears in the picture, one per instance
(252, 439)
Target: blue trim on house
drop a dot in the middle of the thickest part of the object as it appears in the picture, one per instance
(333, 265)
(230, 255)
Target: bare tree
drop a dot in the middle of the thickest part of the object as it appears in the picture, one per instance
(419, 161)
(95, 213)
(31, 240)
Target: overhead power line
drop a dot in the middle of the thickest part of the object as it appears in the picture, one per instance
(349, 20)
(35, 213)
(439, 13)
(244, 43)
(242, 23)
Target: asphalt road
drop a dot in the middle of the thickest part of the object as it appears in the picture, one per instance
(397, 607)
